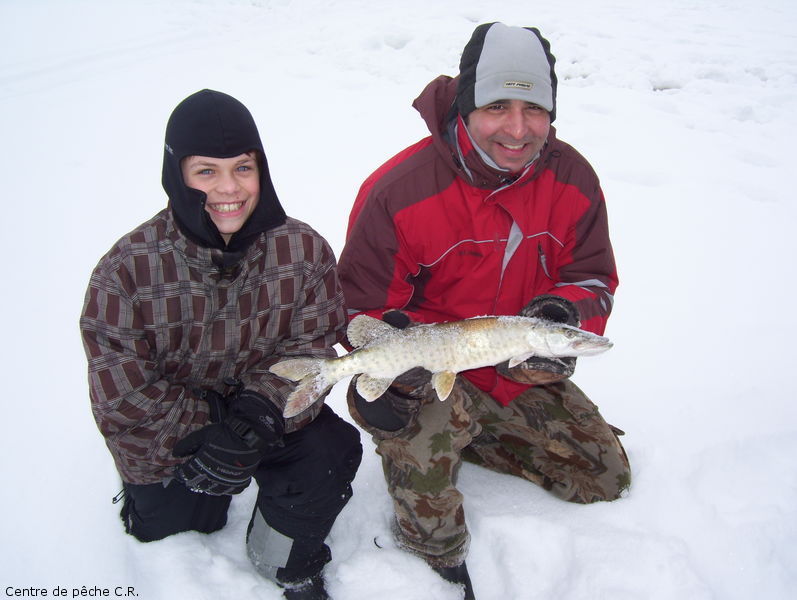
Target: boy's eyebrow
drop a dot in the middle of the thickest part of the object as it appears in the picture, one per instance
(194, 161)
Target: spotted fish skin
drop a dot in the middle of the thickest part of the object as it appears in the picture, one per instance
(383, 352)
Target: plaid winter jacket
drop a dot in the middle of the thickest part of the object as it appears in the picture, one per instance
(161, 322)
(437, 233)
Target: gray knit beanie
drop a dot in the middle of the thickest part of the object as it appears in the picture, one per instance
(506, 63)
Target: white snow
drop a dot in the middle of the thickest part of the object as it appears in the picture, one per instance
(685, 108)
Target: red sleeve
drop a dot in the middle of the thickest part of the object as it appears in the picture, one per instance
(374, 265)
(586, 274)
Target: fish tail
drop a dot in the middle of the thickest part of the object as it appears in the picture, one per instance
(305, 394)
(313, 382)
(297, 369)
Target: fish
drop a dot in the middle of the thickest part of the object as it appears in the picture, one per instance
(382, 352)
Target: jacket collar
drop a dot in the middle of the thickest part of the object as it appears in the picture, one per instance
(215, 264)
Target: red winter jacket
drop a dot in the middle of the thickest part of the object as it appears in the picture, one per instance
(437, 233)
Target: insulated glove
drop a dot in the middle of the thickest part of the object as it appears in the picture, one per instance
(397, 318)
(540, 370)
(227, 452)
(552, 308)
(222, 462)
(260, 414)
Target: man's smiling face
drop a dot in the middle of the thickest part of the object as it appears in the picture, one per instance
(511, 132)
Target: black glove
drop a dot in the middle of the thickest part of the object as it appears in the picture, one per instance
(222, 462)
(540, 370)
(397, 318)
(226, 453)
(552, 308)
(264, 420)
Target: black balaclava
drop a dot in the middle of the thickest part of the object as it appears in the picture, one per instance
(210, 123)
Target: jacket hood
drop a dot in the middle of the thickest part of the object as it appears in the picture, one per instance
(210, 123)
(437, 106)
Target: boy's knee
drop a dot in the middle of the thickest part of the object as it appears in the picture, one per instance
(339, 446)
(319, 463)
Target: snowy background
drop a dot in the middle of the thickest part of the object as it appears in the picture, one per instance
(686, 109)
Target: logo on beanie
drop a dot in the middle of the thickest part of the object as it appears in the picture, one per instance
(519, 85)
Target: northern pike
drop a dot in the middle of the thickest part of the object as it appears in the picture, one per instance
(383, 352)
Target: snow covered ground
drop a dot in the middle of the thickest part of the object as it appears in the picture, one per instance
(686, 109)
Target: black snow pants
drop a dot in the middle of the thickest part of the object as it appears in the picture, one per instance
(303, 486)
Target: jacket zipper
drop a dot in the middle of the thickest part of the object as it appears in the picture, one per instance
(543, 260)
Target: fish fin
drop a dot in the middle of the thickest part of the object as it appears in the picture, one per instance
(297, 369)
(370, 388)
(305, 394)
(364, 329)
(443, 383)
(516, 360)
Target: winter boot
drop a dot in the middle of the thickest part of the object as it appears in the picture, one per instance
(458, 575)
(309, 589)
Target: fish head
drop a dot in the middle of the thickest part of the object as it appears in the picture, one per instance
(565, 340)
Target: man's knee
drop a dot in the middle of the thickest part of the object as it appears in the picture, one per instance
(607, 490)
(605, 486)
(619, 479)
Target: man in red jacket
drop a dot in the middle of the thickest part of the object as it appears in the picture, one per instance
(489, 215)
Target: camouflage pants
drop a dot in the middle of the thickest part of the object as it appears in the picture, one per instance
(551, 435)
